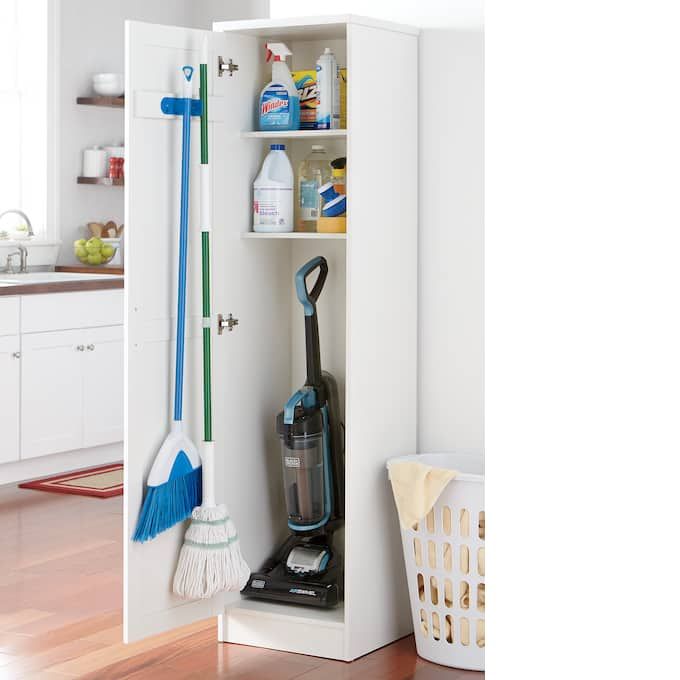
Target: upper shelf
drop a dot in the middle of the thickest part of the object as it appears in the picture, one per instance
(308, 28)
(110, 102)
(294, 134)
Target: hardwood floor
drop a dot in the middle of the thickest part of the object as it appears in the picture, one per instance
(60, 610)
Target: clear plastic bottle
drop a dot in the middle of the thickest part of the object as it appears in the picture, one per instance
(313, 172)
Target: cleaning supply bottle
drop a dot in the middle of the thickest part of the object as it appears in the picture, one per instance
(313, 172)
(338, 174)
(279, 99)
(273, 193)
(328, 92)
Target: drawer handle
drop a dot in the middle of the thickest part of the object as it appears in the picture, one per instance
(16, 355)
(90, 348)
(80, 348)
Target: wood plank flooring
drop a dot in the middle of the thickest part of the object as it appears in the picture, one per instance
(61, 610)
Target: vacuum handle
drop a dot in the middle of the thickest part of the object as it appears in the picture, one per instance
(308, 298)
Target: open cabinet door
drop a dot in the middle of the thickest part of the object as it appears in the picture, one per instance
(243, 386)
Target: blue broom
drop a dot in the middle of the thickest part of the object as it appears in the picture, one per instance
(174, 483)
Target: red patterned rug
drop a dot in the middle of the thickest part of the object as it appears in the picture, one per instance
(101, 482)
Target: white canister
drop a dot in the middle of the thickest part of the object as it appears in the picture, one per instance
(95, 162)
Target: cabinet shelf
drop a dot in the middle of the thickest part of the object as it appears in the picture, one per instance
(295, 236)
(104, 181)
(109, 102)
(294, 134)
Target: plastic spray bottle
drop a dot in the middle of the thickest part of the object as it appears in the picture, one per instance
(279, 99)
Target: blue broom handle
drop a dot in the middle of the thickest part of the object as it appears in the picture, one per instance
(183, 238)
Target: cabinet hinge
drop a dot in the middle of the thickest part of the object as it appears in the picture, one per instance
(227, 323)
(223, 66)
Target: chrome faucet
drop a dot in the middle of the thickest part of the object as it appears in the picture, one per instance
(22, 252)
(21, 213)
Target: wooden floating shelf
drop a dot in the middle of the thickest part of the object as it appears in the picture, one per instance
(294, 134)
(110, 102)
(295, 236)
(104, 181)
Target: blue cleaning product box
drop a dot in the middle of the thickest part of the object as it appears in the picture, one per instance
(305, 81)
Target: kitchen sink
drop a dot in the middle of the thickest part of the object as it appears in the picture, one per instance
(50, 277)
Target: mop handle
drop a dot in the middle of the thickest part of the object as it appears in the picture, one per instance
(183, 238)
(205, 252)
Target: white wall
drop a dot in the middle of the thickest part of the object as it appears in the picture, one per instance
(91, 40)
(451, 236)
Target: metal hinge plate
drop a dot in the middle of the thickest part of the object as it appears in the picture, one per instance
(227, 323)
(223, 66)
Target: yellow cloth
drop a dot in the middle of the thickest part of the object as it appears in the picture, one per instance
(416, 488)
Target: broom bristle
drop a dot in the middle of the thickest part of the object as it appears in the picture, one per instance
(210, 560)
(167, 504)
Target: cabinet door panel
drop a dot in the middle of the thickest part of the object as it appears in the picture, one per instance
(154, 55)
(103, 386)
(51, 393)
(10, 369)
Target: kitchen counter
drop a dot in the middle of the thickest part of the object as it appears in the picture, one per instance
(56, 282)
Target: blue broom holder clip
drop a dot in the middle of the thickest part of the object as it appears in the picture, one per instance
(174, 106)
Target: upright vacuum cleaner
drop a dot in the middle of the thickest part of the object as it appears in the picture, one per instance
(306, 569)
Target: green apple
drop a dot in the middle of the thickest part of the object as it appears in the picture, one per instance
(94, 245)
(107, 251)
(94, 258)
(81, 252)
(80, 243)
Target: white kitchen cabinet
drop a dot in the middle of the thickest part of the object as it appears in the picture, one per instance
(71, 390)
(103, 386)
(51, 392)
(9, 315)
(10, 370)
(64, 311)
(367, 317)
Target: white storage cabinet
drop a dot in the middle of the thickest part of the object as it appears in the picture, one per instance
(367, 314)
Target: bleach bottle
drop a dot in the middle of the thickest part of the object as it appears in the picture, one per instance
(279, 99)
(273, 193)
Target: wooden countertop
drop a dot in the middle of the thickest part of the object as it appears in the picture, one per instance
(59, 286)
(81, 269)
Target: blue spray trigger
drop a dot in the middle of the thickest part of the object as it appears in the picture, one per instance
(188, 72)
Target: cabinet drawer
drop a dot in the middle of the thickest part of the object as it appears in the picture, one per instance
(9, 316)
(64, 311)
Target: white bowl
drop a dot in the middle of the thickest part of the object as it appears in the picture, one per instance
(109, 84)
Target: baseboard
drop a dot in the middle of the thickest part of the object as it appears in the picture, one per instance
(43, 466)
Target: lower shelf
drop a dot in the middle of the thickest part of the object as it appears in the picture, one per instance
(296, 235)
(289, 628)
(104, 181)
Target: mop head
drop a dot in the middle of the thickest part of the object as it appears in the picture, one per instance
(174, 487)
(210, 560)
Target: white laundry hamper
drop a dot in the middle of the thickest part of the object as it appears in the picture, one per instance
(445, 565)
